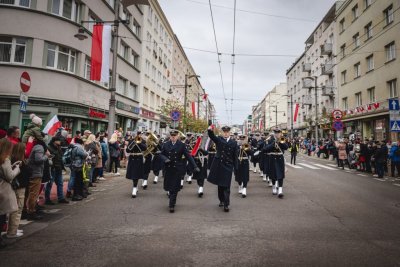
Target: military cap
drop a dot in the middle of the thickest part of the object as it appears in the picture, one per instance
(174, 132)
(226, 128)
(277, 130)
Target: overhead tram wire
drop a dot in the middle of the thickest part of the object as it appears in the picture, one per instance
(233, 56)
(218, 55)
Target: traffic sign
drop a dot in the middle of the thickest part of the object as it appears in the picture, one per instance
(23, 97)
(22, 106)
(337, 115)
(25, 82)
(395, 126)
(175, 115)
(174, 124)
(337, 125)
(394, 104)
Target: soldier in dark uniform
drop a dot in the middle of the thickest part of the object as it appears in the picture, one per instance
(242, 173)
(189, 142)
(212, 150)
(275, 150)
(260, 145)
(157, 164)
(201, 161)
(255, 156)
(224, 163)
(266, 162)
(135, 168)
(147, 167)
(172, 154)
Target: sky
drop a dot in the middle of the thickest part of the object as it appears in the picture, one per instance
(263, 27)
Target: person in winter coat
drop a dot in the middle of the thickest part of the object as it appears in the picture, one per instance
(13, 134)
(36, 162)
(380, 159)
(8, 201)
(342, 153)
(78, 156)
(56, 171)
(104, 157)
(114, 149)
(394, 156)
(33, 129)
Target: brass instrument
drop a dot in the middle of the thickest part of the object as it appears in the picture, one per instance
(182, 136)
(152, 143)
(282, 140)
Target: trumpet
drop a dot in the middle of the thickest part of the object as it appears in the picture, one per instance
(282, 140)
(245, 147)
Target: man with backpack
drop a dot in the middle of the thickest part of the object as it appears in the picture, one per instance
(394, 156)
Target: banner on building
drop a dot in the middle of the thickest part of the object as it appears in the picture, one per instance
(101, 45)
(194, 109)
(296, 112)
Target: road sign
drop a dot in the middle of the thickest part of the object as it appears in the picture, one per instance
(22, 106)
(25, 82)
(394, 104)
(337, 115)
(395, 126)
(175, 115)
(23, 97)
(337, 125)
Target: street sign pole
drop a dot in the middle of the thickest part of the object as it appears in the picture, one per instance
(25, 84)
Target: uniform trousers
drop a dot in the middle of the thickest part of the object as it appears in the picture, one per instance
(172, 198)
(280, 182)
(223, 195)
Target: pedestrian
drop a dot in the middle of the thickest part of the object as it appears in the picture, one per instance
(242, 173)
(19, 185)
(77, 136)
(114, 150)
(78, 156)
(13, 134)
(173, 153)
(8, 171)
(57, 167)
(380, 159)
(275, 149)
(135, 168)
(394, 156)
(33, 129)
(294, 149)
(225, 162)
(342, 153)
(104, 157)
(92, 147)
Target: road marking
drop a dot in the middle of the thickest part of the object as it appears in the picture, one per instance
(24, 222)
(332, 165)
(309, 166)
(51, 211)
(294, 166)
(396, 184)
(380, 180)
(323, 166)
(361, 175)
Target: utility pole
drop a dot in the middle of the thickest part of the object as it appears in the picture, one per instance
(276, 116)
(111, 112)
(184, 105)
(316, 109)
(198, 105)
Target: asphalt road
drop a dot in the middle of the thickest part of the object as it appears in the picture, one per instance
(328, 217)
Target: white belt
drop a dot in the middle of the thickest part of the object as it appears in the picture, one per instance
(135, 154)
(275, 153)
(245, 158)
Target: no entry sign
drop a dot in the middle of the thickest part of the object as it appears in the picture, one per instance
(337, 115)
(25, 82)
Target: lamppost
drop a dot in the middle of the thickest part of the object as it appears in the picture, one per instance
(185, 99)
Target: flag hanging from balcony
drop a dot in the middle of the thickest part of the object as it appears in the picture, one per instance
(101, 45)
(194, 109)
(296, 112)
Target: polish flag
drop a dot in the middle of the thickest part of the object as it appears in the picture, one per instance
(261, 125)
(52, 126)
(101, 45)
(296, 112)
(194, 110)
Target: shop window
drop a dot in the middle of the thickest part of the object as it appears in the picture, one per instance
(23, 3)
(12, 49)
(61, 58)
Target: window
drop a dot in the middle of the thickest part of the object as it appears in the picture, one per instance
(368, 31)
(147, 67)
(343, 50)
(356, 40)
(135, 59)
(370, 63)
(132, 91)
(389, 16)
(345, 103)
(357, 70)
(88, 67)
(122, 84)
(358, 99)
(137, 29)
(371, 94)
(60, 57)
(146, 96)
(354, 12)
(66, 8)
(343, 77)
(24, 3)
(124, 51)
(341, 25)
(12, 50)
(390, 50)
(392, 86)
(367, 3)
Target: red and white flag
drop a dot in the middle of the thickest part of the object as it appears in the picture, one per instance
(261, 125)
(194, 109)
(205, 96)
(101, 45)
(52, 126)
(296, 112)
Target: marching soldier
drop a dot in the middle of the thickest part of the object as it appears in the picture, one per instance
(212, 150)
(242, 173)
(223, 165)
(266, 162)
(255, 157)
(201, 161)
(189, 142)
(172, 154)
(260, 145)
(147, 166)
(275, 149)
(157, 164)
(135, 169)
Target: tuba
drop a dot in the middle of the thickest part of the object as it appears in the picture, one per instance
(152, 143)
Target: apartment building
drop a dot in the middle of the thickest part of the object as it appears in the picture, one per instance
(276, 106)
(368, 68)
(37, 37)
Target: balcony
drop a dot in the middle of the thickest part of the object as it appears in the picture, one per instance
(326, 69)
(326, 49)
(308, 83)
(306, 67)
(328, 90)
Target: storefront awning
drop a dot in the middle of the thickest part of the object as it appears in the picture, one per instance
(366, 116)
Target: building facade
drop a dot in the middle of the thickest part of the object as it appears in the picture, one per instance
(276, 108)
(59, 64)
(368, 68)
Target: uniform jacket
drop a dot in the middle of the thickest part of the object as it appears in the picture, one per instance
(135, 169)
(225, 161)
(276, 168)
(242, 173)
(175, 169)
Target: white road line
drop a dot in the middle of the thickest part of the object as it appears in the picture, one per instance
(332, 165)
(325, 167)
(361, 175)
(309, 166)
(293, 166)
(380, 180)
(396, 184)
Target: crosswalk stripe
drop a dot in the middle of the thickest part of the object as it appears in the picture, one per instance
(294, 166)
(309, 166)
(326, 167)
(332, 165)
